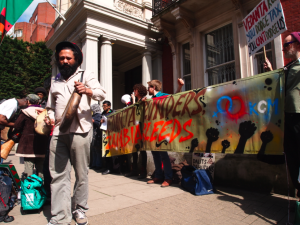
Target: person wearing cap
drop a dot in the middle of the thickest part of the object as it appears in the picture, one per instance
(72, 147)
(291, 50)
(32, 146)
(8, 108)
(42, 93)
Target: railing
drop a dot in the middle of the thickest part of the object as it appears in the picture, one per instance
(160, 5)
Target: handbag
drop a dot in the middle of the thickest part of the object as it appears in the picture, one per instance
(197, 182)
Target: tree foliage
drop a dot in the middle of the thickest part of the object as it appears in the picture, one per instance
(23, 67)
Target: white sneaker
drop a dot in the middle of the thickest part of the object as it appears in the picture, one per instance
(80, 217)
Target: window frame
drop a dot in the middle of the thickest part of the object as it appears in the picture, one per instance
(183, 76)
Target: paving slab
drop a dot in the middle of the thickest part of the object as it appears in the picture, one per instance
(115, 199)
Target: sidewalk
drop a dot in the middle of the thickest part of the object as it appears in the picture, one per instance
(115, 199)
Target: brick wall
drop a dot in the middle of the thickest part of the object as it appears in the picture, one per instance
(291, 9)
(167, 68)
(39, 24)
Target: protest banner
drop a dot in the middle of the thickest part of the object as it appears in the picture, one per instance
(204, 161)
(264, 23)
(242, 116)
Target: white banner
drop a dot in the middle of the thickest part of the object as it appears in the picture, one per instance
(264, 23)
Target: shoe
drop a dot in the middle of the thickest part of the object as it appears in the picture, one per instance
(131, 174)
(7, 219)
(50, 223)
(155, 180)
(80, 217)
(106, 172)
(166, 183)
(142, 176)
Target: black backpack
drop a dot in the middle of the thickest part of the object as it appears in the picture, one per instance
(5, 195)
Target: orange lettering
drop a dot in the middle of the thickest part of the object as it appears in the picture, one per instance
(155, 129)
(188, 123)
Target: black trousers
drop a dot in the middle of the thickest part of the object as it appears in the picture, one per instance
(292, 146)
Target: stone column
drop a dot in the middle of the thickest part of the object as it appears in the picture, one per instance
(89, 48)
(146, 68)
(106, 76)
(90, 54)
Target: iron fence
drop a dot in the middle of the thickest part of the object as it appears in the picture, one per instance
(160, 5)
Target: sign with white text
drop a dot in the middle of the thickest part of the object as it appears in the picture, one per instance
(264, 23)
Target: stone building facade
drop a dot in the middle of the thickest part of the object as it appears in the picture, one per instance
(119, 42)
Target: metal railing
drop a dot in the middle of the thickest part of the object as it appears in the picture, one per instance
(160, 5)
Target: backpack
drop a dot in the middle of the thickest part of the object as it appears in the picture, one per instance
(198, 182)
(33, 194)
(5, 194)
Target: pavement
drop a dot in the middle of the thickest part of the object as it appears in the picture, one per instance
(115, 199)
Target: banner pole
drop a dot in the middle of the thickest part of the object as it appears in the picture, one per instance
(265, 53)
(56, 10)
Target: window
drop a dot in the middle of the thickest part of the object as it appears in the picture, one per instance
(220, 63)
(18, 33)
(260, 58)
(186, 66)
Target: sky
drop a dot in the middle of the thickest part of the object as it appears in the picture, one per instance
(28, 12)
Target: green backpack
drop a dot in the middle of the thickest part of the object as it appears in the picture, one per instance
(33, 194)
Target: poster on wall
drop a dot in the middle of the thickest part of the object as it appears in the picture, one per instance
(244, 116)
(264, 23)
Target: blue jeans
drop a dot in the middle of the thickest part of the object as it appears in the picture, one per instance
(164, 157)
(1, 160)
(96, 156)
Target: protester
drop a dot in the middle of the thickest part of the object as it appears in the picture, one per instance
(96, 146)
(32, 146)
(42, 93)
(106, 105)
(71, 148)
(139, 92)
(154, 87)
(8, 108)
(291, 49)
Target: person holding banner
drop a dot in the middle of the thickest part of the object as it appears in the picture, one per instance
(154, 87)
(139, 92)
(291, 49)
(71, 147)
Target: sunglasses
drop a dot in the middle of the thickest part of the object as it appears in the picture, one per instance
(285, 45)
(150, 87)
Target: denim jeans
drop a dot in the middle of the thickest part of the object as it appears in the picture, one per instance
(96, 156)
(159, 157)
(1, 160)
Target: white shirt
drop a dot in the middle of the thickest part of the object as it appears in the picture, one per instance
(59, 95)
(8, 109)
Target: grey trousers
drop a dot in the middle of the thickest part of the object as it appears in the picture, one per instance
(65, 151)
(29, 164)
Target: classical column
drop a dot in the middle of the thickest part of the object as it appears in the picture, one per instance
(146, 68)
(90, 54)
(106, 78)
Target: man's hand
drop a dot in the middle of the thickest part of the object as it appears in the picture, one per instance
(93, 120)
(102, 120)
(180, 83)
(81, 89)
(144, 99)
(49, 122)
(5, 122)
(133, 98)
(268, 65)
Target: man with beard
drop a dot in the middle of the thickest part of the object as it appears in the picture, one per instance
(291, 49)
(73, 146)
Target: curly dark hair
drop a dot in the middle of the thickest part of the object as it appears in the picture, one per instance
(141, 89)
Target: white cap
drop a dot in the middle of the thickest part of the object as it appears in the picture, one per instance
(125, 99)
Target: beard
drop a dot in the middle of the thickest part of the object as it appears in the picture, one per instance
(67, 70)
(292, 53)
